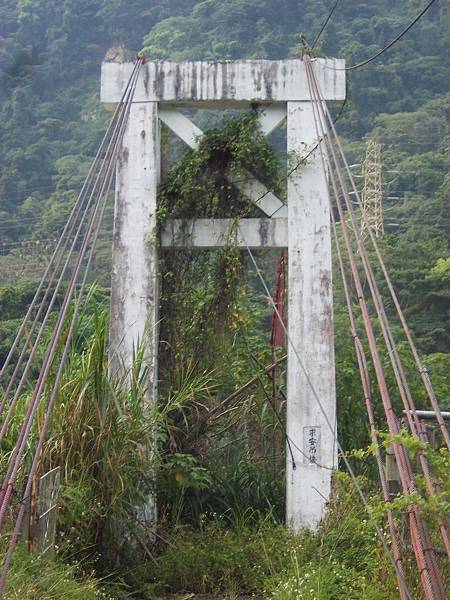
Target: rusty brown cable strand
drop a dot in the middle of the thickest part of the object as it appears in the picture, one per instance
(23, 506)
(348, 466)
(422, 370)
(17, 528)
(72, 280)
(31, 357)
(426, 561)
(360, 356)
(400, 376)
(365, 381)
(60, 249)
(67, 228)
(20, 446)
(405, 393)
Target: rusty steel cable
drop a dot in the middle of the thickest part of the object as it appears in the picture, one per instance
(61, 245)
(55, 263)
(420, 367)
(18, 390)
(20, 445)
(415, 425)
(425, 556)
(426, 561)
(362, 365)
(19, 448)
(316, 397)
(365, 381)
(43, 433)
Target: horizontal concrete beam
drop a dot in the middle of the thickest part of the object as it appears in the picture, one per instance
(214, 233)
(217, 83)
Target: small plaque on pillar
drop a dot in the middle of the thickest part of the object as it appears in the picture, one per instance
(311, 445)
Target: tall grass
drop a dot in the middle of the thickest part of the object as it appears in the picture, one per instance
(35, 578)
(99, 437)
(111, 447)
(343, 560)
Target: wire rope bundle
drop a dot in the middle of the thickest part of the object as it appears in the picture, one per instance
(86, 218)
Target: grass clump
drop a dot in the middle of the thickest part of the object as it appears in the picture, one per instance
(99, 436)
(34, 578)
(343, 560)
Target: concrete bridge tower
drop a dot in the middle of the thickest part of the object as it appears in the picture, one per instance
(303, 226)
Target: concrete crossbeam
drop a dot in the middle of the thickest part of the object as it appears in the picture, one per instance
(214, 233)
(237, 83)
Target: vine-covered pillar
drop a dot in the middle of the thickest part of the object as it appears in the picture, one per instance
(134, 285)
(310, 327)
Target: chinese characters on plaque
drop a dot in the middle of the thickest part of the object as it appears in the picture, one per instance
(311, 445)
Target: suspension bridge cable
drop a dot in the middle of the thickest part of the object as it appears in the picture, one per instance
(393, 42)
(51, 349)
(393, 425)
(365, 381)
(19, 448)
(109, 148)
(44, 429)
(416, 427)
(424, 554)
(421, 368)
(319, 403)
(13, 541)
(325, 23)
(68, 228)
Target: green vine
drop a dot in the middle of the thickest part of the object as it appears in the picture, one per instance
(200, 288)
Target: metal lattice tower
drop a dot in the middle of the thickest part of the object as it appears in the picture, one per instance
(372, 202)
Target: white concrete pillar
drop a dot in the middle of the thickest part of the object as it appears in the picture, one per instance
(310, 326)
(134, 286)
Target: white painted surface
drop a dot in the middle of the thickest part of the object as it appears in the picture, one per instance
(310, 326)
(183, 127)
(233, 82)
(134, 287)
(134, 282)
(271, 117)
(213, 233)
(261, 196)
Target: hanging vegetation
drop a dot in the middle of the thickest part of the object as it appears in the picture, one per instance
(200, 289)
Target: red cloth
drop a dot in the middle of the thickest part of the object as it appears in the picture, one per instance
(278, 337)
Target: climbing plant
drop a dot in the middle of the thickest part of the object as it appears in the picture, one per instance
(200, 289)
